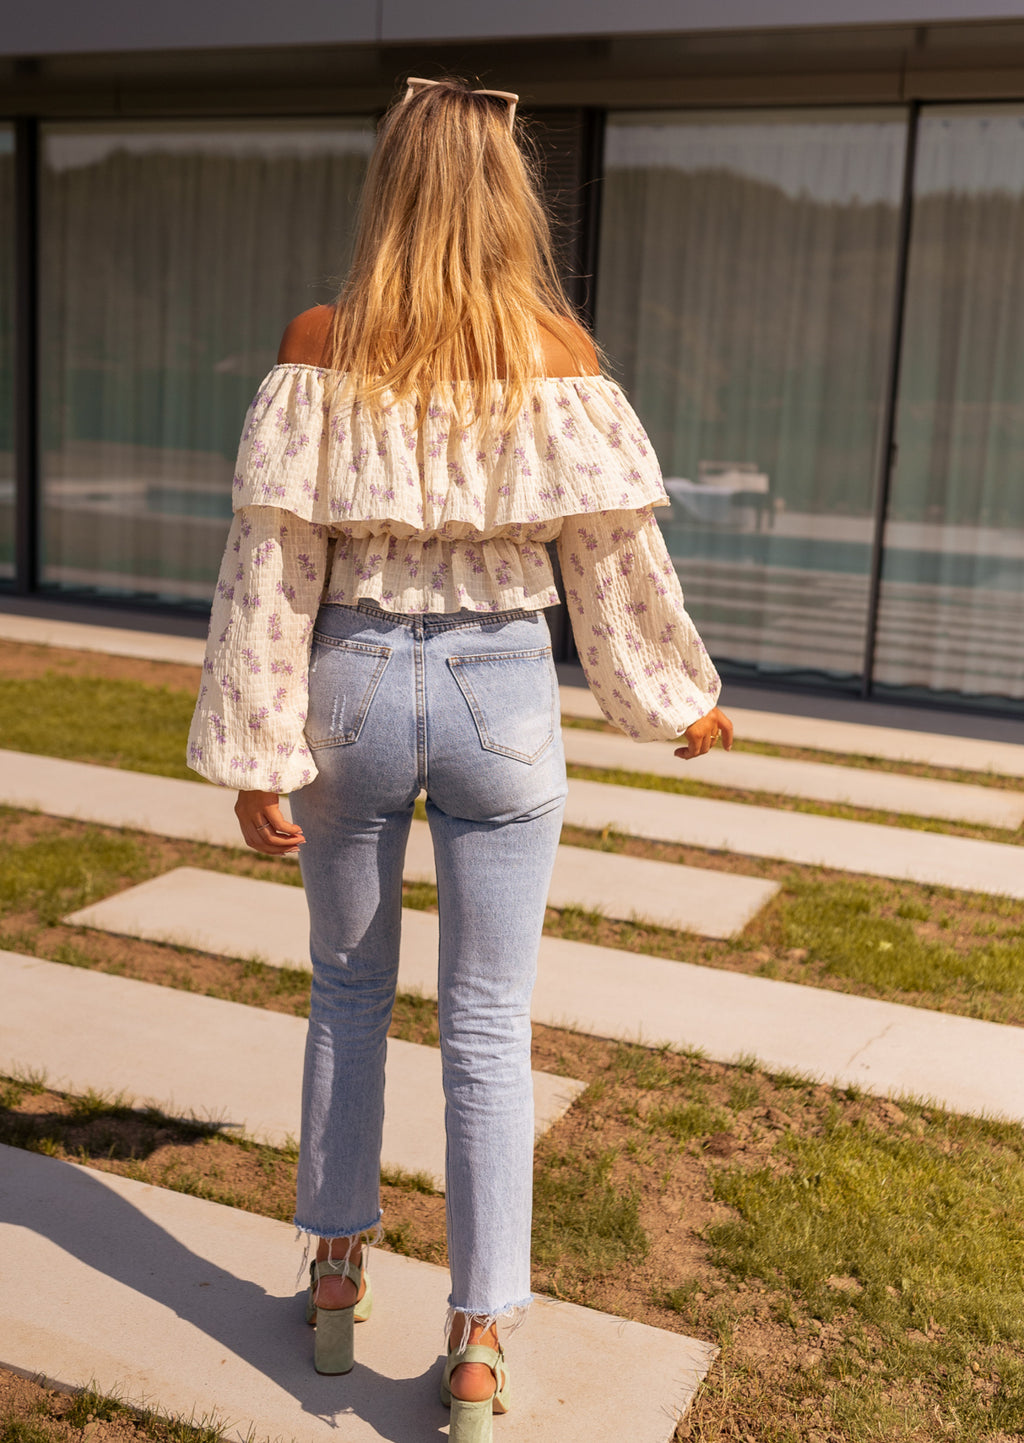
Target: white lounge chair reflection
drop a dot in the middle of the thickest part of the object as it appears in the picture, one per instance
(734, 494)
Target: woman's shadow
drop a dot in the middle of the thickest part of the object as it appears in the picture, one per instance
(72, 1208)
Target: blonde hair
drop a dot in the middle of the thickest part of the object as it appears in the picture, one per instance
(452, 274)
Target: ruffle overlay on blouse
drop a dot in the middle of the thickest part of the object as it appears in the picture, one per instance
(337, 503)
(576, 448)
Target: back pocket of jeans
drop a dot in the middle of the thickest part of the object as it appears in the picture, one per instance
(511, 696)
(343, 677)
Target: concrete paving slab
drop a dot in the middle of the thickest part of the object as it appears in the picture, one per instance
(114, 640)
(195, 1056)
(883, 1047)
(816, 781)
(715, 904)
(113, 797)
(667, 894)
(628, 889)
(995, 868)
(855, 738)
(200, 1317)
(215, 912)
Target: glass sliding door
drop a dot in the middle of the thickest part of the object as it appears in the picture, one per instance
(173, 255)
(951, 617)
(6, 352)
(746, 273)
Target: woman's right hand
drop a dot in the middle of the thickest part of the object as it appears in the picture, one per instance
(702, 735)
(264, 827)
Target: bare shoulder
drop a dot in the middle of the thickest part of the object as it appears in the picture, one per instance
(568, 350)
(304, 342)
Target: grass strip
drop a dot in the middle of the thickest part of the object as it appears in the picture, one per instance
(994, 780)
(955, 952)
(685, 787)
(142, 727)
(113, 723)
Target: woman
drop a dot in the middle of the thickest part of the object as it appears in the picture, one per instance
(378, 630)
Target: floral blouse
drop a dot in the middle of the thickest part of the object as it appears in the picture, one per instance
(335, 502)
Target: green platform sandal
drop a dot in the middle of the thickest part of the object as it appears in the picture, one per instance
(334, 1349)
(472, 1422)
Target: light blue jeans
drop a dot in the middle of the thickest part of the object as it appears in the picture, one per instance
(463, 706)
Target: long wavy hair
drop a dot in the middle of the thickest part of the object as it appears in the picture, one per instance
(452, 272)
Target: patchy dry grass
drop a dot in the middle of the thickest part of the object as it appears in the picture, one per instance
(926, 946)
(33, 1412)
(860, 1263)
(67, 713)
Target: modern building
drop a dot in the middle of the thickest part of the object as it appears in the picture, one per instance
(797, 226)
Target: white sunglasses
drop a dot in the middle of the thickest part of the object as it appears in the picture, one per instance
(414, 83)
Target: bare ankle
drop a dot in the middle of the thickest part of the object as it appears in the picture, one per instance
(472, 1382)
(337, 1289)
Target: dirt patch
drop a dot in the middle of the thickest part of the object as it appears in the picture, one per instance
(19, 661)
(31, 1411)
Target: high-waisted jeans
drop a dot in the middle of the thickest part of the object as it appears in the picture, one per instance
(465, 707)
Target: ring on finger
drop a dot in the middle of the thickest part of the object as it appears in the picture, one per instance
(266, 827)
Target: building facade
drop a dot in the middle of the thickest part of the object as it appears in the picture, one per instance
(797, 228)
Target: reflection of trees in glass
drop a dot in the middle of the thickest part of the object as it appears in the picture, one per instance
(752, 325)
(168, 278)
(6, 350)
(168, 273)
(961, 417)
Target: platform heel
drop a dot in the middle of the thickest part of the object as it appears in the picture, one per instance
(334, 1346)
(473, 1422)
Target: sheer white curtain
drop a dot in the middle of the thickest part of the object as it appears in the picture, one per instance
(952, 603)
(746, 273)
(173, 255)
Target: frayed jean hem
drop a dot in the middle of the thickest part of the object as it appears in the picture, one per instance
(373, 1227)
(513, 1313)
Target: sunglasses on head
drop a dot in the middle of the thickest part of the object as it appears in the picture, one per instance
(414, 84)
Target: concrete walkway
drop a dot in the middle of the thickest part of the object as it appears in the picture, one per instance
(687, 899)
(198, 812)
(213, 912)
(112, 640)
(202, 1057)
(853, 738)
(815, 781)
(883, 1047)
(191, 1308)
(995, 868)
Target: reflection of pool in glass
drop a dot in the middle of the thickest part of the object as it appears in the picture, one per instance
(957, 556)
(186, 501)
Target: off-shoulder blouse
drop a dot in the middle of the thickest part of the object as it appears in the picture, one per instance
(335, 502)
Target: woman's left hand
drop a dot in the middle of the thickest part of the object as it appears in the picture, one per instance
(702, 735)
(264, 827)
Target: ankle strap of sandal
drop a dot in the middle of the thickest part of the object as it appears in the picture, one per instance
(480, 1353)
(337, 1268)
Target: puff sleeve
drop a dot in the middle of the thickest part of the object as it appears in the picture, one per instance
(641, 653)
(247, 731)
